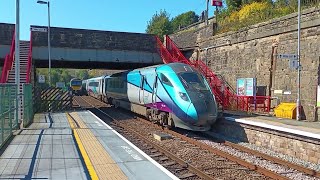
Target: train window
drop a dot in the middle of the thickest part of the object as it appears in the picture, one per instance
(94, 84)
(165, 80)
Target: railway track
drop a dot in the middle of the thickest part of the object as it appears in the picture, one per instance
(218, 163)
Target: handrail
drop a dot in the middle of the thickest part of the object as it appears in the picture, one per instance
(8, 62)
(4, 69)
(175, 52)
(165, 55)
(29, 60)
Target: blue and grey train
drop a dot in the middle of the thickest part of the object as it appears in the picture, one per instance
(175, 95)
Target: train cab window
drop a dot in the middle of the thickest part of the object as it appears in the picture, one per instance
(94, 84)
(165, 80)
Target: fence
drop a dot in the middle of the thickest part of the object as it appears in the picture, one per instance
(8, 111)
(52, 99)
(27, 105)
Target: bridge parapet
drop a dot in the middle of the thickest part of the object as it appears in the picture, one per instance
(72, 47)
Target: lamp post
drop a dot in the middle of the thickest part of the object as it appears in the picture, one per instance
(49, 45)
(17, 62)
(299, 65)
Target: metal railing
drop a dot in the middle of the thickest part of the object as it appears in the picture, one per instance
(8, 62)
(224, 94)
(8, 111)
(29, 60)
(27, 105)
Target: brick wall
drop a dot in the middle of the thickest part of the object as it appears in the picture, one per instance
(94, 39)
(248, 53)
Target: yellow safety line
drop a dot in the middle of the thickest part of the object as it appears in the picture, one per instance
(71, 122)
(92, 172)
(83, 152)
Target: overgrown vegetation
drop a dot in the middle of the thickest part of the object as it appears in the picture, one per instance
(235, 15)
(65, 75)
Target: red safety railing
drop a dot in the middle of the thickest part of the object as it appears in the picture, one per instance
(8, 62)
(29, 60)
(223, 93)
(165, 55)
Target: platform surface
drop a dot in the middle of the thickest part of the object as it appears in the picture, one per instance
(48, 149)
(307, 128)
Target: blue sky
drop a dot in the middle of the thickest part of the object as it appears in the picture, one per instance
(110, 15)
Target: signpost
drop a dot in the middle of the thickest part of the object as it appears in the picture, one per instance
(294, 63)
(293, 60)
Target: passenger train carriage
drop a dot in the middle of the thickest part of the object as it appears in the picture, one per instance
(173, 94)
(75, 86)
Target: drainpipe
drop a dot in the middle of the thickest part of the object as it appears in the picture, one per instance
(273, 67)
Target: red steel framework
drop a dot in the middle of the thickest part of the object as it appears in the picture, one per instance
(9, 60)
(29, 60)
(225, 97)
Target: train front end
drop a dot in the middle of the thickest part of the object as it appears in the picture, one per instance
(202, 110)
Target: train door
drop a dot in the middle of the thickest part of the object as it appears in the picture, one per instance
(141, 90)
(154, 91)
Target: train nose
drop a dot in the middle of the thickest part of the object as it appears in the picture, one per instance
(203, 110)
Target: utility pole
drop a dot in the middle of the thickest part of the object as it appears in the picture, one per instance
(299, 66)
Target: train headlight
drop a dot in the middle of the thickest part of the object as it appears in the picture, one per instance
(183, 96)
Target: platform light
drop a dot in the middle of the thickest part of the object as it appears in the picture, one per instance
(49, 43)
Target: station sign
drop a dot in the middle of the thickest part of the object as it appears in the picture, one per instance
(216, 2)
(41, 79)
(293, 64)
(60, 85)
(38, 29)
(287, 56)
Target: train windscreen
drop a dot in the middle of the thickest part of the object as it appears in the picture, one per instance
(193, 80)
(76, 83)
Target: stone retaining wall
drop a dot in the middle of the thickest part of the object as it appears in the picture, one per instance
(250, 52)
(293, 145)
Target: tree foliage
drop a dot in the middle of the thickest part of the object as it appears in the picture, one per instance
(64, 75)
(160, 24)
(184, 20)
(235, 4)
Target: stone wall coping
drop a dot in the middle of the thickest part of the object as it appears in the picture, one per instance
(273, 127)
(89, 30)
(271, 21)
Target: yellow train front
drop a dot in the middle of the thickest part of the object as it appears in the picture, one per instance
(75, 86)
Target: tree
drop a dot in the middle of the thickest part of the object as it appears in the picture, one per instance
(184, 20)
(83, 74)
(160, 24)
(235, 4)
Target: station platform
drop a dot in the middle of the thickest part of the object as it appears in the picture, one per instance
(77, 146)
(301, 128)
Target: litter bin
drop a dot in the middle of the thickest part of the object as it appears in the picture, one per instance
(286, 110)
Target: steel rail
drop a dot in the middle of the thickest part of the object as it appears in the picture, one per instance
(235, 159)
(188, 166)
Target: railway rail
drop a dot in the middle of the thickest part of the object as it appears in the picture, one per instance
(138, 126)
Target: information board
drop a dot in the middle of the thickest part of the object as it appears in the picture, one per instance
(246, 86)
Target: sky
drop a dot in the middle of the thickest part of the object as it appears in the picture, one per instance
(109, 15)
